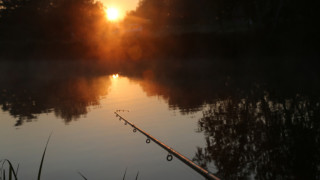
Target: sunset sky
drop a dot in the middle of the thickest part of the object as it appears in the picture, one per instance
(122, 5)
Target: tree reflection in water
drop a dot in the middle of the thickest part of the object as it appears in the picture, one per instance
(175, 94)
(68, 98)
(261, 130)
(262, 137)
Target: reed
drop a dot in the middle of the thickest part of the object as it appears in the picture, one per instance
(8, 172)
(12, 174)
(42, 159)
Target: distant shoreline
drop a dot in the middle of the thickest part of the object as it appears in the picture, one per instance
(185, 45)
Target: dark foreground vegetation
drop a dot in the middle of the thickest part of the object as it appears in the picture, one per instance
(8, 171)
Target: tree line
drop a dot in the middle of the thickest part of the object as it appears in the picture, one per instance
(82, 19)
(51, 19)
(263, 14)
(51, 26)
(79, 28)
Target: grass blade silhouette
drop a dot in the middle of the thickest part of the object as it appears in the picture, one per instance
(44, 153)
(11, 170)
(137, 175)
(82, 176)
(10, 173)
(124, 176)
(17, 169)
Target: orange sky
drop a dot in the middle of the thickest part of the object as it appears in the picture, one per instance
(122, 5)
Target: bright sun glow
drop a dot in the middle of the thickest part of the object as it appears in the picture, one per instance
(115, 76)
(112, 14)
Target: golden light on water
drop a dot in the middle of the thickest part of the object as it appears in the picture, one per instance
(115, 76)
(112, 14)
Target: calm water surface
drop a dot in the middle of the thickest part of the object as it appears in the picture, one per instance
(87, 137)
(238, 127)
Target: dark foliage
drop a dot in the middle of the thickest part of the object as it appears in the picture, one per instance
(47, 29)
(77, 29)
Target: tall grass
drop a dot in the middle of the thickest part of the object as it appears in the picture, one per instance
(43, 154)
(125, 172)
(10, 173)
(13, 174)
(82, 176)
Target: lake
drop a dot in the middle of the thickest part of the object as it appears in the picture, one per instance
(237, 124)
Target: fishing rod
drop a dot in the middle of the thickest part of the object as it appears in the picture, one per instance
(171, 151)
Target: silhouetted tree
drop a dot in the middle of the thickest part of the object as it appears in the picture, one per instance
(268, 15)
(67, 26)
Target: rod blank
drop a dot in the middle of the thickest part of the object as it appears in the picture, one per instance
(185, 160)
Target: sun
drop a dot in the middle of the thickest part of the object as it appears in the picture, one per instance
(112, 14)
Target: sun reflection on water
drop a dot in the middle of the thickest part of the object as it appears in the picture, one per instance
(115, 76)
